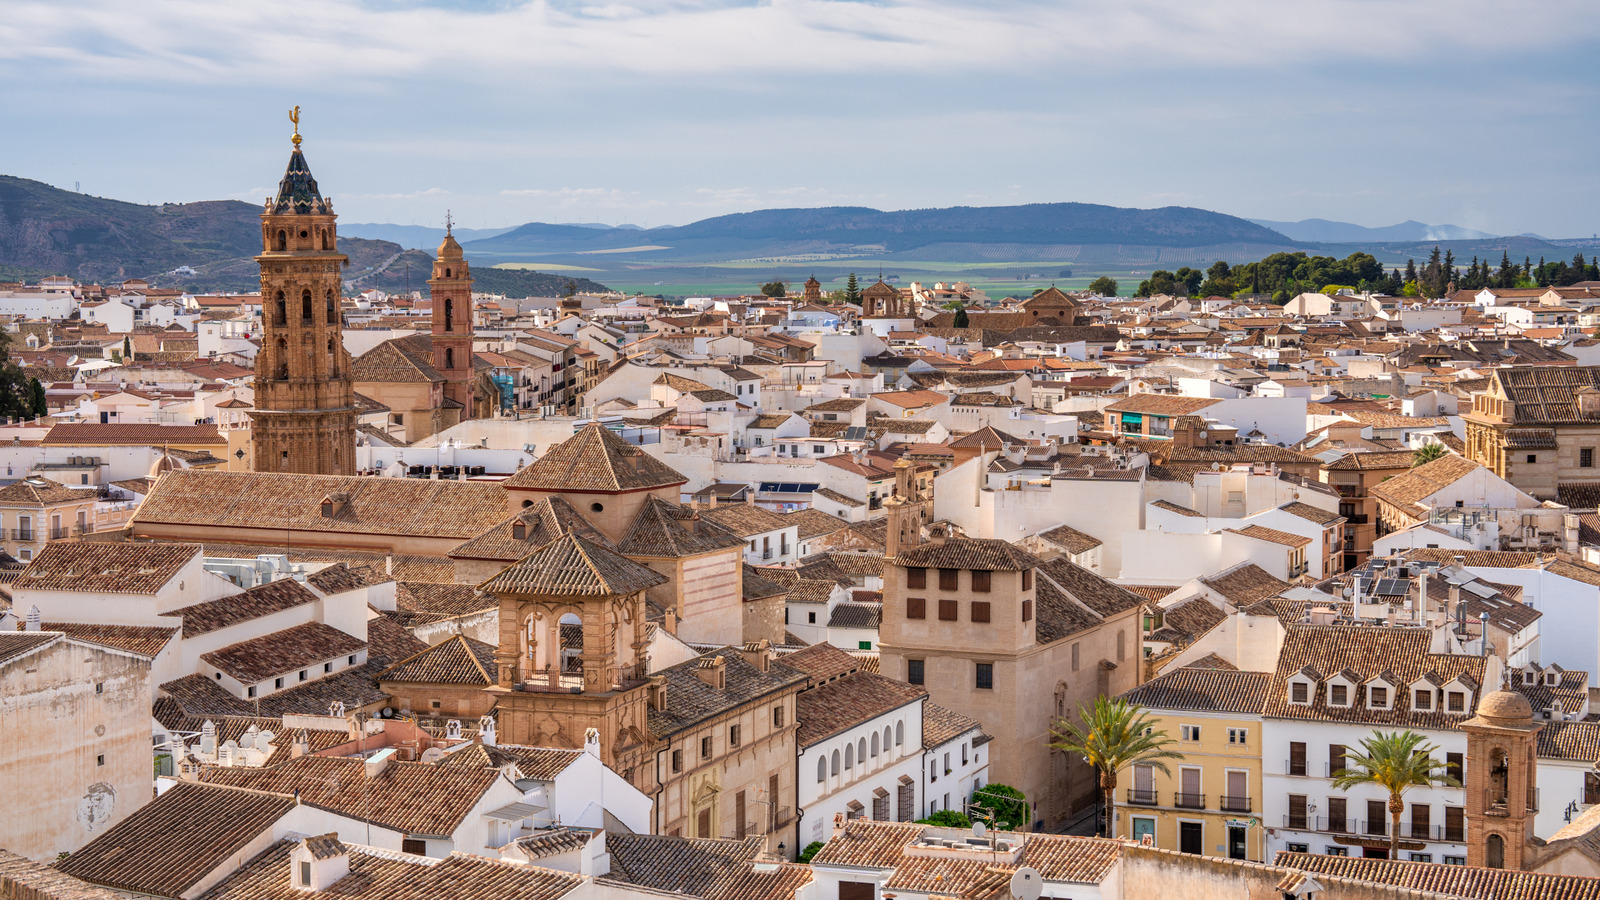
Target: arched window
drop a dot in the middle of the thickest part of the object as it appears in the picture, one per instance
(305, 306)
(899, 733)
(835, 762)
(324, 233)
(283, 309)
(447, 275)
(283, 239)
(283, 360)
(849, 757)
(333, 308)
(449, 357)
(888, 739)
(333, 360)
(861, 751)
(1495, 852)
(822, 769)
(874, 743)
(449, 309)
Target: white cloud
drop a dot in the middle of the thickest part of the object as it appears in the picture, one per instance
(304, 42)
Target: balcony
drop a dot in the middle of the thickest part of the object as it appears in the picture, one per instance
(1142, 797)
(60, 533)
(1417, 831)
(1235, 804)
(1189, 801)
(86, 528)
(1295, 766)
(22, 534)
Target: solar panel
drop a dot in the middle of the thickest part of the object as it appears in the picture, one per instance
(1390, 587)
(1481, 589)
(855, 433)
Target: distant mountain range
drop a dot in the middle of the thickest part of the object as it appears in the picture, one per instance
(1322, 231)
(48, 231)
(1034, 231)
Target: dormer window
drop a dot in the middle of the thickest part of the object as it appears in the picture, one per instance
(1552, 678)
(1338, 695)
(1529, 677)
(1422, 700)
(1299, 692)
(1456, 701)
(1377, 697)
(519, 530)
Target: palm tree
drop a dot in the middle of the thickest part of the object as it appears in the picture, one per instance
(1115, 734)
(1427, 454)
(1395, 761)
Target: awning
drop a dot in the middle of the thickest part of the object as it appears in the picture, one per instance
(907, 780)
(511, 812)
(854, 806)
(880, 793)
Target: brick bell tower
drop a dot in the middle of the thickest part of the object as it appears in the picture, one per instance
(451, 288)
(1501, 780)
(305, 416)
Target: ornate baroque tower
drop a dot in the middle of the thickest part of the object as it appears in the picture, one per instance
(451, 288)
(305, 415)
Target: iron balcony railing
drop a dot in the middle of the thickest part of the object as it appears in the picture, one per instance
(1142, 797)
(1235, 804)
(1189, 801)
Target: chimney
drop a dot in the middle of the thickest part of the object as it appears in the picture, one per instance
(486, 734)
(317, 863)
(32, 622)
(669, 621)
(378, 762)
(208, 739)
(301, 746)
(758, 654)
(711, 500)
(713, 670)
(658, 692)
(591, 742)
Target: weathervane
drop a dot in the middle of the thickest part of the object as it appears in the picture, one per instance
(294, 116)
(447, 222)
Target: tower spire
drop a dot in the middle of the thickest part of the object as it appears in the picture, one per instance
(448, 222)
(294, 116)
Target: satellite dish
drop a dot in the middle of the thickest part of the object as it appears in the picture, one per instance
(979, 829)
(1027, 884)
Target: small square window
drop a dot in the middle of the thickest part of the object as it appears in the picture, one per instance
(1336, 850)
(1189, 732)
(1293, 847)
(1458, 701)
(980, 612)
(1238, 736)
(277, 684)
(947, 610)
(677, 760)
(327, 667)
(1378, 697)
(99, 687)
(352, 659)
(1422, 700)
(733, 735)
(985, 676)
(1455, 860)
(250, 691)
(100, 760)
(705, 748)
(1586, 458)
(1533, 457)
(1338, 695)
(914, 671)
(811, 618)
(302, 674)
(1299, 692)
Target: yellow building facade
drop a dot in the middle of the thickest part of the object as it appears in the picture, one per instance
(1209, 801)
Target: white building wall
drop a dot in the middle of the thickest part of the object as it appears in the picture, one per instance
(821, 801)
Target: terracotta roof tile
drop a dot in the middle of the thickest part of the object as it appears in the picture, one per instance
(142, 640)
(1204, 690)
(1245, 584)
(839, 705)
(1367, 651)
(969, 553)
(261, 600)
(275, 654)
(113, 568)
(595, 460)
(167, 846)
(1464, 882)
(417, 798)
(391, 506)
(941, 725)
(572, 566)
(95, 434)
(456, 660)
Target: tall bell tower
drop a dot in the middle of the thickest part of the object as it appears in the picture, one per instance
(451, 288)
(305, 416)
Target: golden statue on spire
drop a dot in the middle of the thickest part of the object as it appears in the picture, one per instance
(294, 116)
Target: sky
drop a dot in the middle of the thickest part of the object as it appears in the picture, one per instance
(1477, 113)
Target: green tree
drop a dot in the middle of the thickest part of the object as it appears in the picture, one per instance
(1105, 286)
(1395, 761)
(852, 290)
(36, 402)
(774, 289)
(810, 851)
(961, 320)
(127, 347)
(1007, 805)
(947, 818)
(1219, 281)
(1427, 454)
(1114, 734)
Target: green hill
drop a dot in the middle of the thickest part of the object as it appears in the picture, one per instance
(48, 231)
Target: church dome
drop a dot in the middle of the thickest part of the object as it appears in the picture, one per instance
(449, 247)
(1508, 706)
(167, 463)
